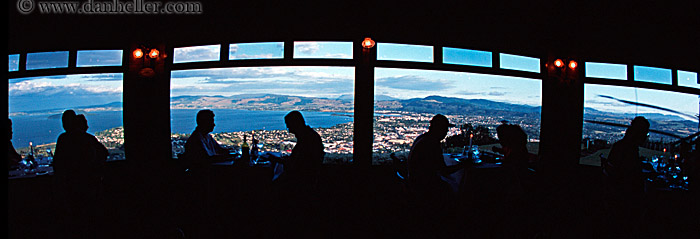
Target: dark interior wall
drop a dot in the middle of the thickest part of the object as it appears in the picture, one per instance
(656, 34)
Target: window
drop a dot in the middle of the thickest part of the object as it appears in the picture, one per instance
(652, 74)
(608, 109)
(466, 57)
(261, 50)
(99, 58)
(520, 63)
(688, 79)
(606, 70)
(197, 54)
(254, 100)
(323, 49)
(13, 61)
(36, 105)
(47, 60)
(404, 52)
(406, 100)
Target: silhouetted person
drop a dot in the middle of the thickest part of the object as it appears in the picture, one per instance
(78, 163)
(13, 158)
(426, 165)
(515, 183)
(301, 168)
(513, 142)
(626, 180)
(201, 149)
(295, 186)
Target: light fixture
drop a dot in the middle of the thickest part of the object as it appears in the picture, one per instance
(559, 63)
(573, 64)
(153, 53)
(367, 43)
(138, 53)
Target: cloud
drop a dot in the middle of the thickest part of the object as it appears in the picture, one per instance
(232, 49)
(235, 75)
(490, 93)
(338, 55)
(258, 56)
(606, 103)
(42, 88)
(307, 48)
(103, 77)
(468, 93)
(412, 82)
(497, 93)
(196, 53)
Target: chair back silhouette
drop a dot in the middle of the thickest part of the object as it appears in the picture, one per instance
(605, 165)
(399, 167)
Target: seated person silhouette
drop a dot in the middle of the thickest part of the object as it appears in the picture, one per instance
(79, 156)
(201, 149)
(625, 177)
(295, 201)
(624, 158)
(426, 163)
(513, 142)
(302, 167)
(13, 158)
(82, 127)
(78, 168)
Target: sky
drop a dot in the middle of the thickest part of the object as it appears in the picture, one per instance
(325, 82)
(334, 82)
(64, 91)
(409, 83)
(595, 96)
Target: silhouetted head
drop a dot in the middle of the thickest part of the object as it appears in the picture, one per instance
(439, 126)
(81, 123)
(68, 120)
(512, 136)
(205, 120)
(10, 127)
(638, 130)
(294, 121)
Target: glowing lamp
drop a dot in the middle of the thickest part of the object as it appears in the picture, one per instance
(573, 64)
(559, 63)
(138, 53)
(153, 54)
(368, 43)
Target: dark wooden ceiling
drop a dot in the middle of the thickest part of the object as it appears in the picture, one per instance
(653, 34)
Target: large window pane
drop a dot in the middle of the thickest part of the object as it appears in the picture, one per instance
(466, 57)
(99, 58)
(13, 61)
(607, 107)
(404, 52)
(521, 63)
(46, 60)
(262, 50)
(606, 70)
(197, 54)
(253, 101)
(323, 49)
(652, 74)
(688, 79)
(405, 101)
(36, 105)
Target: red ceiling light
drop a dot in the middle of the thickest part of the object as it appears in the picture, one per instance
(559, 63)
(573, 64)
(138, 53)
(153, 54)
(368, 43)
